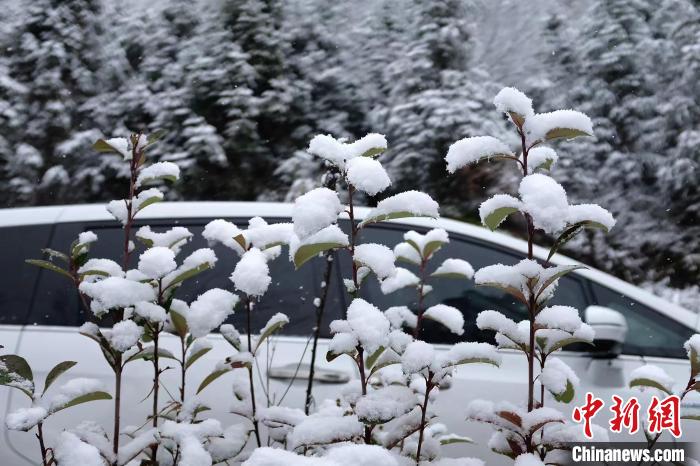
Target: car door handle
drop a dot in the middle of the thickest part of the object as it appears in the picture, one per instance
(301, 372)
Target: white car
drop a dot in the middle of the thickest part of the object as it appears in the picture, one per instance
(40, 314)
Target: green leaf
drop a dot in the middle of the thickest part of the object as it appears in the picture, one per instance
(155, 137)
(572, 231)
(567, 395)
(187, 274)
(179, 322)
(269, 330)
(517, 118)
(147, 202)
(330, 356)
(157, 179)
(210, 378)
(508, 289)
(458, 276)
(308, 251)
(49, 266)
(93, 396)
(101, 146)
(453, 439)
(372, 359)
(497, 216)
(390, 216)
(431, 247)
(483, 360)
(566, 133)
(546, 165)
(565, 342)
(15, 372)
(374, 152)
(56, 372)
(58, 254)
(645, 382)
(195, 356)
(147, 354)
(564, 269)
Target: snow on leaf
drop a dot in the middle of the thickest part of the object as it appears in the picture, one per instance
(454, 268)
(427, 244)
(558, 124)
(224, 232)
(405, 204)
(398, 279)
(167, 171)
(325, 430)
(384, 404)
(494, 210)
(209, 311)
(449, 316)
(379, 258)
(541, 157)
(407, 253)
(559, 379)
(173, 238)
(114, 292)
(651, 376)
(314, 211)
(367, 175)
(545, 201)
(474, 149)
(252, 274)
(338, 152)
(275, 323)
(157, 262)
(71, 450)
(516, 104)
(331, 237)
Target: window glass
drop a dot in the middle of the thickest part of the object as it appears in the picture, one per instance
(648, 332)
(462, 294)
(291, 292)
(18, 277)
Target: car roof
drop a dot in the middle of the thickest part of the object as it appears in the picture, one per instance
(230, 209)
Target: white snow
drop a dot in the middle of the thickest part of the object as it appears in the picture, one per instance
(449, 316)
(173, 238)
(545, 200)
(124, 335)
(209, 311)
(315, 211)
(379, 258)
(556, 374)
(470, 150)
(398, 279)
(655, 373)
(496, 202)
(157, 262)
(222, 231)
(263, 236)
(428, 243)
(338, 152)
(401, 315)
(591, 213)
(150, 311)
(278, 318)
(332, 234)
(113, 292)
(540, 157)
(693, 343)
(71, 390)
(418, 355)
(367, 175)
(71, 450)
(559, 317)
(252, 275)
(159, 170)
(407, 253)
(197, 259)
(25, 418)
(385, 403)
(121, 145)
(464, 351)
(106, 266)
(369, 324)
(87, 237)
(412, 203)
(118, 207)
(321, 430)
(510, 99)
(494, 320)
(343, 343)
(538, 126)
(528, 459)
(455, 267)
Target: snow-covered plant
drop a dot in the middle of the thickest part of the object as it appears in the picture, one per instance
(417, 250)
(259, 243)
(16, 373)
(654, 379)
(544, 205)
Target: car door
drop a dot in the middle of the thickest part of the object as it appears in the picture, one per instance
(56, 314)
(17, 292)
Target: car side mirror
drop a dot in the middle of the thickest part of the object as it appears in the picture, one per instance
(610, 328)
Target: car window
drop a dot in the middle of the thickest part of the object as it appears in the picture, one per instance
(18, 277)
(649, 333)
(462, 294)
(291, 292)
